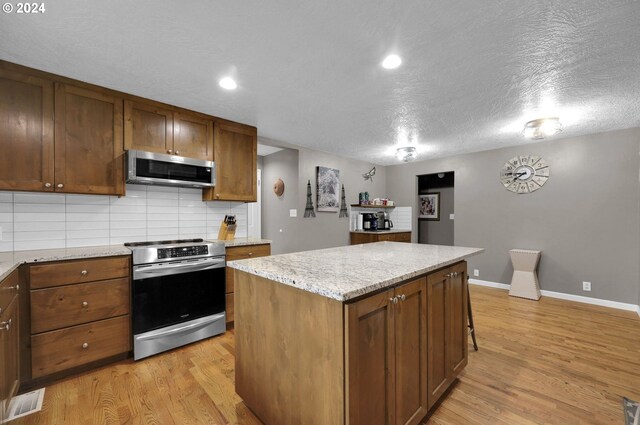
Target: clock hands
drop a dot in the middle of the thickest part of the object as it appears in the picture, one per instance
(517, 176)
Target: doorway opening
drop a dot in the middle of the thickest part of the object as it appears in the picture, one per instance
(435, 208)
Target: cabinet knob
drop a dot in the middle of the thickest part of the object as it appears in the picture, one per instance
(59, 185)
(394, 300)
(403, 297)
(85, 304)
(217, 195)
(169, 151)
(250, 254)
(177, 152)
(5, 325)
(84, 272)
(85, 345)
(47, 185)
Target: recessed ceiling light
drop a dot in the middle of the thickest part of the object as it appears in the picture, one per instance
(541, 128)
(391, 62)
(228, 83)
(407, 153)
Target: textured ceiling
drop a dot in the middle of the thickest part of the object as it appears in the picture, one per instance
(308, 71)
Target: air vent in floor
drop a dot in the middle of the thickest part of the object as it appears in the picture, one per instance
(25, 404)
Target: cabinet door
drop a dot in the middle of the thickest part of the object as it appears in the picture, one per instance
(411, 352)
(235, 152)
(148, 128)
(437, 299)
(457, 341)
(370, 360)
(9, 354)
(192, 136)
(26, 132)
(88, 142)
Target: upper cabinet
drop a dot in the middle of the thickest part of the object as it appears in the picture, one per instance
(26, 131)
(235, 154)
(153, 128)
(89, 155)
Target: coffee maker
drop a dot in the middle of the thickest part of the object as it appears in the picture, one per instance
(384, 223)
(369, 221)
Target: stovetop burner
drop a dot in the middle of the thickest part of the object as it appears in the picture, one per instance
(172, 242)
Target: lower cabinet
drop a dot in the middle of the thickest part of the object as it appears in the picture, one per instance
(359, 237)
(386, 364)
(79, 314)
(9, 341)
(240, 253)
(447, 328)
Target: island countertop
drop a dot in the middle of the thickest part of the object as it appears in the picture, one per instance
(347, 272)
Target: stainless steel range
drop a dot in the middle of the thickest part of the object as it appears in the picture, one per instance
(178, 294)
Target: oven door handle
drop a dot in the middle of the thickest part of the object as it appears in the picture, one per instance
(147, 272)
(180, 329)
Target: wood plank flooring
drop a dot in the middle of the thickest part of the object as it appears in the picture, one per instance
(552, 362)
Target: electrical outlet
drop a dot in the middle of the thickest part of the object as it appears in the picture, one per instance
(476, 272)
(293, 212)
(586, 286)
(451, 216)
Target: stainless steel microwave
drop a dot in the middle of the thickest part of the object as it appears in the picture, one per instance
(169, 170)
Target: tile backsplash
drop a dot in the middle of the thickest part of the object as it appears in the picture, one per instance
(52, 220)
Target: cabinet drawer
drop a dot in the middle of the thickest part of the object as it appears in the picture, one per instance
(59, 307)
(8, 289)
(70, 347)
(69, 272)
(401, 237)
(249, 251)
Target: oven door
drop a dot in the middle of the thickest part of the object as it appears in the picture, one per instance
(170, 293)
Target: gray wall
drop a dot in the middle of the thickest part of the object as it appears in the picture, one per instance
(586, 219)
(295, 167)
(275, 210)
(439, 232)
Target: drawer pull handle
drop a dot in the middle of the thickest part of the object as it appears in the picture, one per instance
(85, 345)
(85, 304)
(394, 300)
(84, 272)
(403, 297)
(5, 325)
(17, 287)
(250, 254)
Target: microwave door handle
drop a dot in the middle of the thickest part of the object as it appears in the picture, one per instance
(160, 270)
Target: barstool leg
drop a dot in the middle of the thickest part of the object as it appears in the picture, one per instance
(470, 317)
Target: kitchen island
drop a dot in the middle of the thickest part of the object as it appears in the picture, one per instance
(361, 334)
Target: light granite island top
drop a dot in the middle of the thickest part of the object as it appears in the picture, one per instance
(347, 272)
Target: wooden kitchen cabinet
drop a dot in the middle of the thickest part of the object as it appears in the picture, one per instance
(89, 154)
(240, 253)
(150, 127)
(235, 154)
(9, 341)
(26, 131)
(79, 314)
(370, 237)
(447, 331)
(387, 356)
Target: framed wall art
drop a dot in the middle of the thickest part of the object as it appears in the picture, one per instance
(429, 206)
(328, 189)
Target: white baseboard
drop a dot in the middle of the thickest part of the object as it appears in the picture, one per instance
(563, 296)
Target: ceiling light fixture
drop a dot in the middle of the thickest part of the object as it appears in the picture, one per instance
(228, 83)
(391, 62)
(407, 153)
(541, 128)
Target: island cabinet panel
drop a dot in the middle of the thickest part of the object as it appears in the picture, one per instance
(239, 253)
(26, 132)
(386, 359)
(447, 328)
(235, 155)
(89, 151)
(289, 353)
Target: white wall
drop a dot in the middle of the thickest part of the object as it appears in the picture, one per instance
(51, 220)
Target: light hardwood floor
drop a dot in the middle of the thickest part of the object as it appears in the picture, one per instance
(551, 361)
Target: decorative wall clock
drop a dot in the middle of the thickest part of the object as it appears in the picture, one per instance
(524, 173)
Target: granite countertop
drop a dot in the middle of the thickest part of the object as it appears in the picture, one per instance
(380, 232)
(348, 272)
(9, 261)
(241, 241)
